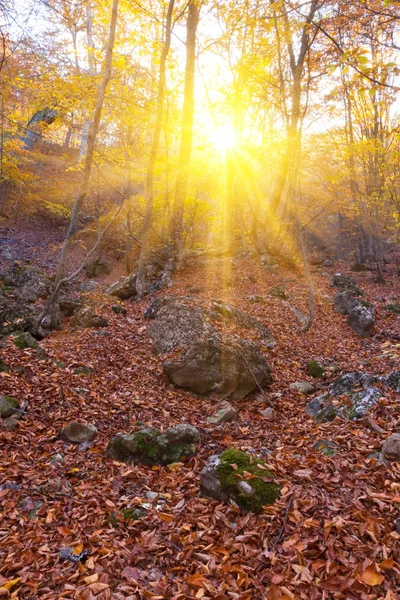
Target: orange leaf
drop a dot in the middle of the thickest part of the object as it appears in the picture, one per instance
(371, 577)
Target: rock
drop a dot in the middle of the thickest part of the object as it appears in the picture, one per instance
(326, 447)
(76, 433)
(11, 423)
(224, 366)
(225, 413)
(343, 302)
(151, 447)
(393, 381)
(25, 340)
(224, 482)
(304, 387)
(28, 284)
(69, 306)
(97, 268)
(328, 263)
(57, 459)
(345, 283)
(346, 383)
(323, 410)
(14, 315)
(391, 447)
(124, 288)
(315, 369)
(89, 286)
(361, 318)
(176, 325)
(41, 353)
(278, 292)
(267, 413)
(119, 310)
(361, 314)
(86, 317)
(8, 404)
(207, 362)
(357, 267)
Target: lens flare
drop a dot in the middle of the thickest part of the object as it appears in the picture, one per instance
(223, 138)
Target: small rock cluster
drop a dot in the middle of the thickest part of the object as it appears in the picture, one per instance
(358, 403)
(360, 313)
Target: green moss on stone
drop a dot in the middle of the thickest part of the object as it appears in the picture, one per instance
(7, 406)
(315, 369)
(263, 492)
(25, 340)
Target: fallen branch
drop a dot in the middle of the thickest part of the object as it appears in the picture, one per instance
(374, 426)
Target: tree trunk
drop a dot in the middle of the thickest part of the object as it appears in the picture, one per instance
(187, 132)
(141, 276)
(50, 317)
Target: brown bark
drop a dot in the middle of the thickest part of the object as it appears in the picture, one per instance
(144, 254)
(187, 131)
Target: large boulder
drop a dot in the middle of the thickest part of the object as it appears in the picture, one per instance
(177, 325)
(361, 403)
(393, 381)
(239, 477)
(205, 361)
(124, 288)
(151, 447)
(225, 366)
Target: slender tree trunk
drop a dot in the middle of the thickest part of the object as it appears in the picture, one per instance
(83, 148)
(187, 132)
(141, 276)
(50, 317)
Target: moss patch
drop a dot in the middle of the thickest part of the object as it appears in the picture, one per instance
(315, 369)
(247, 471)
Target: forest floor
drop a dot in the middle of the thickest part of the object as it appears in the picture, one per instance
(331, 535)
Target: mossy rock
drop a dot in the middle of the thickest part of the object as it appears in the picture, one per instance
(119, 310)
(393, 308)
(25, 340)
(126, 515)
(236, 475)
(315, 369)
(149, 446)
(3, 367)
(83, 371)
(8, 404)
(326, 447)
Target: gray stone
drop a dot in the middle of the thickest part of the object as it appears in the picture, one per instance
(323, 410)
(89, 286)
(393, 381)
(304, 387)
(57, 459)
(344, 282)
(151, 447)
(346, 383)
(77, 433)
(361, 319)
(328, 263)
(124, 288)
(87, 318)
(391, 447)
(225, 413)
(362, 402)
(267, 413)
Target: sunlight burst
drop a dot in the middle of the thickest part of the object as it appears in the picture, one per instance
(223, 138)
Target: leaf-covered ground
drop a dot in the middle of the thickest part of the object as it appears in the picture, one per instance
(331, 535)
